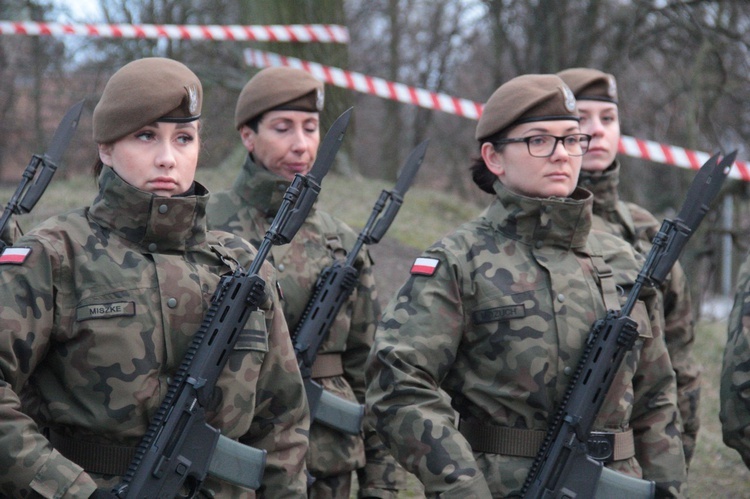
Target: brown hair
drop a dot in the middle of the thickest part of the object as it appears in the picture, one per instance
(480, 174)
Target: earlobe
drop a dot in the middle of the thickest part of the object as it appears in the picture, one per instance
(105, 153)
(248, 138)
(492, 159)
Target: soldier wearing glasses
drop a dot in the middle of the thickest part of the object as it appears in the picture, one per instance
(496, 314)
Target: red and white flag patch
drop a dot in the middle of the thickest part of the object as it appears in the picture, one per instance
(15, 256)
(424, 266)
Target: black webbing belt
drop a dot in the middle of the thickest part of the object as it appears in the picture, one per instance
(93, 457)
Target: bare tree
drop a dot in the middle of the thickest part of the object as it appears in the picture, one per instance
(31, 80)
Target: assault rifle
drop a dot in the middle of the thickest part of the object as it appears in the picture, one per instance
(563, 467)
(26, 196)
(332, 289)
(180, 447)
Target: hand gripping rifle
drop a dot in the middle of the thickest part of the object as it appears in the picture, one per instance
(26, 196)
(332, 289)
(180, 447)
(563, 467)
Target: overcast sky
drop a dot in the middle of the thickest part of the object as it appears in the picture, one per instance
(81, 10)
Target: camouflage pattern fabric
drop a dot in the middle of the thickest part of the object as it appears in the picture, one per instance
(499, 326)
(247, 210)
(735, 371)
(98, 318)
(637, 226)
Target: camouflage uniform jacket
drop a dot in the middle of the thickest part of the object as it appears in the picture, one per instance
(637, 226)
(735, 372)
(247, 210)
(500, 326)
(98, 318)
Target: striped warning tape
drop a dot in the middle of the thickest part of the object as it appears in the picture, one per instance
(629, 146)
(302, 33)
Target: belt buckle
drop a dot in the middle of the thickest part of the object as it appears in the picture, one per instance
(601, 446)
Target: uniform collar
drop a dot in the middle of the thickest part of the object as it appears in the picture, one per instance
(260, 188)
(603, 185)
(156, 223)
(542, 222)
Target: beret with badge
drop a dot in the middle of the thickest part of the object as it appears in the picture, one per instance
(145, 91)
(526, 98)
(590, 84)
(278, 88)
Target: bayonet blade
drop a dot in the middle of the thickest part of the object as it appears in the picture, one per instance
(52, 158)
(704, 188)
(409, 171)
(396, 196)
(63, 134)
(330, 146)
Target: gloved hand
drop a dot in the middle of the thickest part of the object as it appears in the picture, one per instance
(102, 494)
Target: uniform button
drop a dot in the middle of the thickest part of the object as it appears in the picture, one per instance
(561, 297)
(538, 244)
(281, 187)
(172, 302)
(546, 208)
(568, 370)
(163, 209)
(152, 247)
(270, 219)
(281, 267)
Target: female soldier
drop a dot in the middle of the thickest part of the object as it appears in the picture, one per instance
(596, 95)
(735, 370)
(496, 314)
(100, 304)
(278, 117)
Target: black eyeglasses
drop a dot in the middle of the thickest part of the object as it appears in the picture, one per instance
(543, 146)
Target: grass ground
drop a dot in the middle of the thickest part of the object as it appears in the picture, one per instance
(716, 471)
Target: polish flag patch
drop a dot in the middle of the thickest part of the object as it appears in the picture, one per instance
(14, 256)
(424, 266)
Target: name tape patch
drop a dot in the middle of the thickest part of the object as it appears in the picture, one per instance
(424, 266)
(499, 314)
(105, 310)
(14, 256)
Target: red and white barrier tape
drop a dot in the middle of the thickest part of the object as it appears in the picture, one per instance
(302, 33)
(629, 146)
(369, 84)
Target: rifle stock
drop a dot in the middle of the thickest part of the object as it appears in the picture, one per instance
(332, 289)
(180, 448)
(564, 467)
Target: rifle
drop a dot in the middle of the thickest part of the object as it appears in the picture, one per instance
(563, 467)
(180, 447)
(26, 196)
(332, 289)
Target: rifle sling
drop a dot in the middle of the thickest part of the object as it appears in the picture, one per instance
(93, 457)
(607, 282)
(494, 439)
(327, 365)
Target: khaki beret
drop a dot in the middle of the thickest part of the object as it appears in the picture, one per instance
(144, 91)
(590, 84)
(532, 97)
(278, 88)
